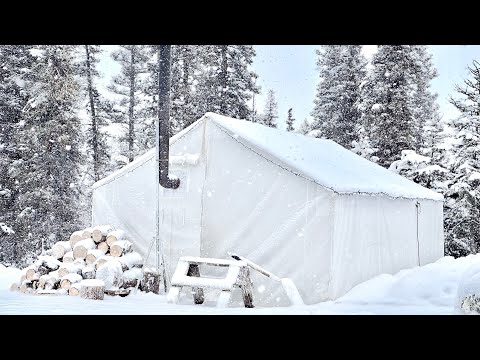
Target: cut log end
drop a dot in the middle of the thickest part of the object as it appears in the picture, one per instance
(92, 289)
(103, 247)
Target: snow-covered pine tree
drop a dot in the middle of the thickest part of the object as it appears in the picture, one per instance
(304, 128)
(270, 115)
(96, 108)
(226, 83)
(131, 109)
(336, 112)
(185, 68)
(462, 222)
(386, 102)
(15, 74)
(48, 142)
(290, 120)
(423, 99)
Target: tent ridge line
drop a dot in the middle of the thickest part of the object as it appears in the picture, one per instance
(311, 180)
(140, 164)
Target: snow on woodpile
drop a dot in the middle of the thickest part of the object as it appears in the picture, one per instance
(89, 270)
(322, 161)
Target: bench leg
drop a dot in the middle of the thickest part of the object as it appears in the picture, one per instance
(198, 296)
(247, 290)
(173, 294)
(224, 298)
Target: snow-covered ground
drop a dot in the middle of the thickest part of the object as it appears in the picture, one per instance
(430, 289)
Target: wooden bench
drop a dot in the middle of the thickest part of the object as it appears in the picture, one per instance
(187, 274)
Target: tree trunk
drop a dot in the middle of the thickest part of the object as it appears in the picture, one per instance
(87, 233)
(92, 289)
(66, 269)
(102, 261)
(68, 257)
(115, 236)
(61, 248)
(88, 272)
(80, 250)
(131, 106)
(70, 279)
(75, 237)
(223, 79)
(151, 281)
(93, 115)
(103, 247)
(120, 247)
(131, 277)
(131, 260)
(100, 232)
(111, 274)
(74, 289)
(93, 255)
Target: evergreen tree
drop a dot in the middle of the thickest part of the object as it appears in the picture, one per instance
(423, 100)
(305, 127)
(132, 109)
(15, 65)
(463, 226)
(49, 144)
(226, 83)
(336, 112)
(270, 115)
(386, 102)
(290, 120)
(98, 112)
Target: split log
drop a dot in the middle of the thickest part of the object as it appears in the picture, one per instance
(46, 292)
(111, 274)
(102, 261)
(103, 247)
(151, 281)
(100, 232)
(75, 238)
(15, 287)
(70, 279)
(131, 260)
(31, 270)
(69, 269)
(68, 257)
(80, 250)
(26, 287)
(92, 289)
(117, 235)
(74, 289)
(118, 292)
(131, 277)
(87, 233)
(43, 280)
(79, 262)
(52, 284)
(119, 248)
(49, 262)
(93, 255)
(61, 248)
(88, 272)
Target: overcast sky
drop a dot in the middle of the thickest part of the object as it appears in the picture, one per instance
(290, 70)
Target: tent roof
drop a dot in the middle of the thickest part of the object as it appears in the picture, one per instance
(321, 161)
(324, 161)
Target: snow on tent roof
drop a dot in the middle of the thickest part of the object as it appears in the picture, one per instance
(324, 161)
(321, 161)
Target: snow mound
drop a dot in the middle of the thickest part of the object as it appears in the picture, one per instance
(467, 300)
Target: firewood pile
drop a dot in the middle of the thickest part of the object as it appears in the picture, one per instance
(93, 262)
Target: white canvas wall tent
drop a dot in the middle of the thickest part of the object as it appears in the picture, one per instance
(303, 208)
